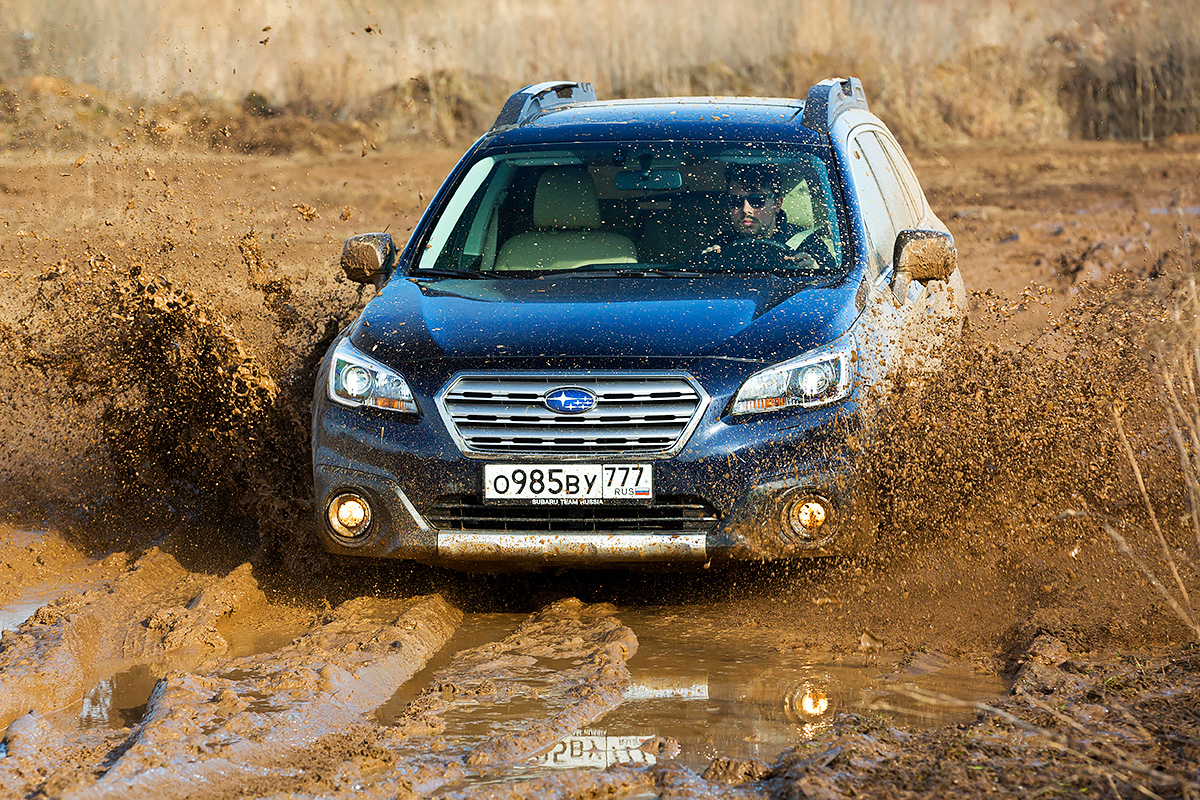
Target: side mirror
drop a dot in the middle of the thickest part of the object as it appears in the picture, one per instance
(925, 255)
(369, 258)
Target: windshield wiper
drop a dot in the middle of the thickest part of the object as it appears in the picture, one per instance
(421, 274)
(628, 272)
(791, 272)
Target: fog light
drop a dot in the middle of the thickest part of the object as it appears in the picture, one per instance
(808, 520)
(349, 515)
(810, 515)
(352, 514)
(807, 516)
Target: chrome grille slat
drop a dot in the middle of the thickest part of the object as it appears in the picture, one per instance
(619, 388)
(464, 409)
(622, 431)
(644, 413)
(551, 448)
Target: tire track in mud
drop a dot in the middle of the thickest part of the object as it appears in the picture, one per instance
(300, 721)
(502, 702)
(208, 732)
(154, 609)
(667, 780)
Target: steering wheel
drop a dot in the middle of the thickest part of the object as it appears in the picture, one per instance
(817, 242)
(775, 253)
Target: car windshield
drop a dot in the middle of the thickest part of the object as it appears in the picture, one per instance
(639, 209)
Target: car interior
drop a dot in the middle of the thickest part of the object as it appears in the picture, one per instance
(532, 214)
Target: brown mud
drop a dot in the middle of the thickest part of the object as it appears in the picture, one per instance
(165, 311)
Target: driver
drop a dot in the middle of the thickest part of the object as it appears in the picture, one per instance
(755, 205)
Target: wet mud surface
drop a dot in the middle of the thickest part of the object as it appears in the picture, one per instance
(169, 630)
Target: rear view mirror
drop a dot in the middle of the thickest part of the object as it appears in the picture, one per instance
(369, 258)
(925, 255)
(648, 180)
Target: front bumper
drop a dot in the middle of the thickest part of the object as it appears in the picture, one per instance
(728, 493)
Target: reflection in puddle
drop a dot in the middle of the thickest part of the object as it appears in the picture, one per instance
(13, 615)
(813, 703)
(590, 750)
(119, 701)
(664, 687)
(721, 689)
(712, 686)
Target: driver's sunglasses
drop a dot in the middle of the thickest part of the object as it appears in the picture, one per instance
(756, 201)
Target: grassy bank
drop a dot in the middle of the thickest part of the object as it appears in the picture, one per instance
(937, 70)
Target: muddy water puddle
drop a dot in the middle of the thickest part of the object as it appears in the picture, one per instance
(703, 683)
(13, 614)
(715, 688)
(115, 702)
(720, 689)
(119, 700)
(475, 630)
(33, 590)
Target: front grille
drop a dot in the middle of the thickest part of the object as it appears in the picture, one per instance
(637, 414)
(665, 515)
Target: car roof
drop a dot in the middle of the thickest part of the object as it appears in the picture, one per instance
(643, 119)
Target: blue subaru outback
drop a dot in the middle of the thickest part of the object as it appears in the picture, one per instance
(632, 331)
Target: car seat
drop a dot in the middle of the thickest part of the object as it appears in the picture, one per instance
(566, 215)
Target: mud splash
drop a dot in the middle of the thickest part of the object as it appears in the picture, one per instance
(1017, 427)
(172, 417)
(189, 420)
(980, 465)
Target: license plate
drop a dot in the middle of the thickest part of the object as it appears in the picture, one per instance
(566, 484)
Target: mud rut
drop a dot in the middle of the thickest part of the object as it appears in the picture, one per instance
(168, 633)
(321, 715)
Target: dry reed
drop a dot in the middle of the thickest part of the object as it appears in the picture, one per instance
(937, 70)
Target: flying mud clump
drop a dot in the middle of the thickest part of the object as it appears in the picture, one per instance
(197, 399)
(202, 419)
(1020, 428)
(162, 411)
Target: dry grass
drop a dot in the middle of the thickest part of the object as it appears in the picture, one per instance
(1180, 380)
(937, 70)
(1139, 76)
(1166, 555)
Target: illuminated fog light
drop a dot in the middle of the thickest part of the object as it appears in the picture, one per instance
(808, 521)
(352, 514)
(349, 515)
(809, 515)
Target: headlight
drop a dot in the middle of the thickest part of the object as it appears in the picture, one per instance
(814, 379)
(356, 380)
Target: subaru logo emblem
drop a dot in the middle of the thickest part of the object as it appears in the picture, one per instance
(570, 401)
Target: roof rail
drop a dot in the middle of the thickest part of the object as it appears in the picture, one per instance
(829, 99)
(524, 105)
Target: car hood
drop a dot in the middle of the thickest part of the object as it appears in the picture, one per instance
(761, 317)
